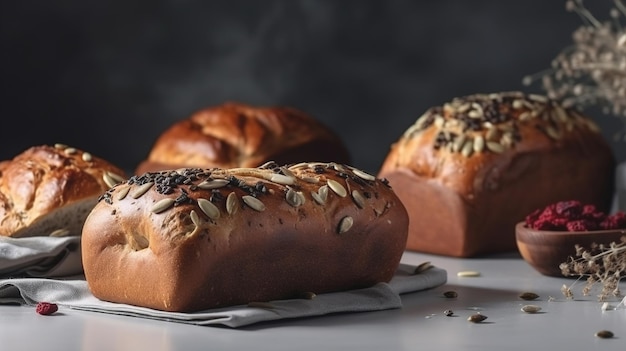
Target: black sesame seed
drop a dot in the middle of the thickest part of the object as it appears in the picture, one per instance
(319, 170)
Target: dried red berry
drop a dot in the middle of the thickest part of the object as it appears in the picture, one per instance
(46, 308)
(573, 215)
(581, 225)
(559, 223)
(570, 209)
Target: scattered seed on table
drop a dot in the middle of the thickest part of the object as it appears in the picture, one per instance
(451, 294)
(531, 308)
(468, 274)
(477, 318)
(604, 334)
(422, 267)
(528, 296)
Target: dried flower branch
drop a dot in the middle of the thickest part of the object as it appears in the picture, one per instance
(592, 71)
(600, 265)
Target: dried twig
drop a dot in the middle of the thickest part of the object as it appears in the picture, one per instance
(591, 71)
(600, 265)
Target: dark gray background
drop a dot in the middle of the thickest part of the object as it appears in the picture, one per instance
(109, 76)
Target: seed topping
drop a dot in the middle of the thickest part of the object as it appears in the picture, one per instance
(295, 198)
(195, 218)
(358, 198)
(140, 190)
(253, 203)
(336, 187)
(209, 208)
(345, 224)
(213, 184)
(481, 118)
(232, 203)
(87, 157)
(162, 205)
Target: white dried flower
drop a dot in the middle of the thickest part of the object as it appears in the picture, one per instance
(592, 71)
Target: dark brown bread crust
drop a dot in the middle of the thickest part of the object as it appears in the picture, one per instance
(38, 184)
(168, 241)
(468, 171)
(237, 135)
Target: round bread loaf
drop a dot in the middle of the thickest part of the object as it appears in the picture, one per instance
(471, 169)
(50, 190)
(236, 135)
(194, 239)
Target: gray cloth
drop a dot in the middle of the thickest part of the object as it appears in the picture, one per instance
(41, 256)
(74, 293)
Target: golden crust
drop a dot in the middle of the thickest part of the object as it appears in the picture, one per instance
(524, 152)
(237, 135)
(45, 179)
(223, 237)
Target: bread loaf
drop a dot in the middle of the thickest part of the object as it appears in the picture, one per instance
(50, 190)
(235, 135)
(195, 239)
(469, 170)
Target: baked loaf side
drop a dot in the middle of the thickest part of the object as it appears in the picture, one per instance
(238, 135)
(194, 239)
(50, 190)
(471, 169)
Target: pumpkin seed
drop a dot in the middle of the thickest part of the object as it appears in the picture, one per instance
(87, 157)
(531, 308)
(121, 194)
(605, 334)
(345, 224)
(317, 198)
(294, 198)
(468, 148)
(209, 208)
(232, 203)
(479, 144)
(281, 179)
(337, 188)
(476, 318)
(468, 274)
(253, 203)
(213, 184)
(363, 175)
(528, 296)
(162, 205)
(451, 294)
(359, 199)
(108, 180)
(495, 147)
(140, 190)
(195, 218)
(60, 233)
(423, 267)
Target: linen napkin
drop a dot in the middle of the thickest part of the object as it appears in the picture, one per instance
(74, 293)
(41, 256)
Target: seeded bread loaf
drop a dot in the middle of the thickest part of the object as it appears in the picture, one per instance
(470, 170)
(237, 135)
(194, 239)
(50, 190)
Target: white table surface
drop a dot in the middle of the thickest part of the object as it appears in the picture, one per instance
(419, 325)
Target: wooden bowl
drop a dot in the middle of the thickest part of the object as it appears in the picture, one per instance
(545, 250)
